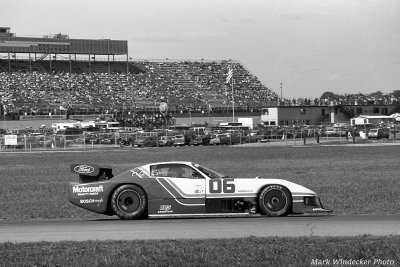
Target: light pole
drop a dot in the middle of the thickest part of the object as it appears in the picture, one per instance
(281, 94)
(4, 113)
(233, 103)
(108, 56)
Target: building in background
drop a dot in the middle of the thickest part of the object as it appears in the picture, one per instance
(317, 115)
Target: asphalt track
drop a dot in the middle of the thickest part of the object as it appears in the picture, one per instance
(194, 228)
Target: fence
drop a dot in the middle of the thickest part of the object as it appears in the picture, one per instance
(89, 140)
(93, 141)
(29, 143)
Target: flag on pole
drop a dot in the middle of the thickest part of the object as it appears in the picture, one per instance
(229, 76)
(210, 108)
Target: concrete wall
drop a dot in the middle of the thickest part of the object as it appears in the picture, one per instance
(213, 120)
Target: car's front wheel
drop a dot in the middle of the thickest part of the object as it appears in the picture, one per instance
(275, 200)
(129, 202)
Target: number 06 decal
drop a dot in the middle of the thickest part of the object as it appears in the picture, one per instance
(222, 185)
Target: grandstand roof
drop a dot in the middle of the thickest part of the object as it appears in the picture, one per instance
(59, 44)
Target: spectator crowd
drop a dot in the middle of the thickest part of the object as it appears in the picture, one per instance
(183, 85)
(195, 86)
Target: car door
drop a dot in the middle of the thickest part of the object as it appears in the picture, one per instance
(230, 195)
(219, 195)
(185, 186)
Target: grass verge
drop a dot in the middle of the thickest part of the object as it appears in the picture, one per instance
(350, 180)
(306, 251)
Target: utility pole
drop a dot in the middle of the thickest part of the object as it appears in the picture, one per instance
(281, 93)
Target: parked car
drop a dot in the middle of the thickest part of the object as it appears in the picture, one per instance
(234, 138)
(165, 141)
(378, 133)
(124, 142)
(335, 131)
(220, 139)
(331, 131)
(107, 139)
(45, 141)
(250, 138)
(200, 140)
(146, 141)
(181, 140)
(264, 138)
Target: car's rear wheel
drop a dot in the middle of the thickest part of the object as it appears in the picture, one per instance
(129, 202)
(275, 200)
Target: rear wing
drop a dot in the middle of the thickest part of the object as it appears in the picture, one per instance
(89, 173)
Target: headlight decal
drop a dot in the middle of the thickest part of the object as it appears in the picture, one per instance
(312, 201)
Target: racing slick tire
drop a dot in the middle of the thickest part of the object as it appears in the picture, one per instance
(129, 202)
(275, 200)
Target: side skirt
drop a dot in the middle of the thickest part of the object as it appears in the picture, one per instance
(205, 215)
(231, 205)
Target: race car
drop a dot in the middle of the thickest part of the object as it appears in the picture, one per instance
(180, 188)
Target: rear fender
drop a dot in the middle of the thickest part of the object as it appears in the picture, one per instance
(92, 196)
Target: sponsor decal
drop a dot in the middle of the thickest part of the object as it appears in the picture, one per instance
(87, 190)
(91, 201)
(140, 174)
(165, 209)
(83, 169)
(199, 189)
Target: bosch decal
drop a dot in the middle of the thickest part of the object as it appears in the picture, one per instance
(91, 201)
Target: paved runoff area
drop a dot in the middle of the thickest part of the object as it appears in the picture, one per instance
(198, 228)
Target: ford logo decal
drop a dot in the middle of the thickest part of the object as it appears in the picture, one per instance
(84, 169)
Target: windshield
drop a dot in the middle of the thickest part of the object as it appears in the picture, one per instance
(210, 173)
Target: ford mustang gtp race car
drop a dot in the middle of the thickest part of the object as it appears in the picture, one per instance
(185, 189)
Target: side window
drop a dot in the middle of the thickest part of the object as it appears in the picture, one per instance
(192, 173)
(175, 171)
(159, 171)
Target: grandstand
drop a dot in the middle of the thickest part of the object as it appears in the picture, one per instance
(185, 86)
(76, 76)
